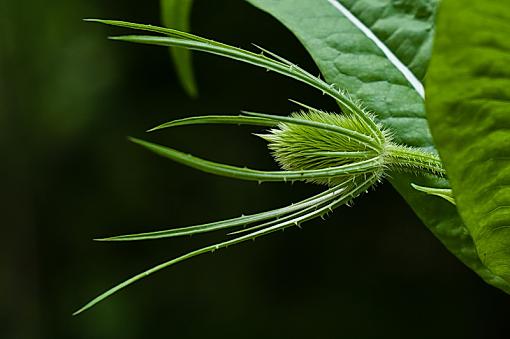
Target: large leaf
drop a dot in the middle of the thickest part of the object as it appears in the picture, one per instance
(469, 111)
(348, 58)
(176, 14)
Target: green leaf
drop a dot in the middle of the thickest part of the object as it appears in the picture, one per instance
(468, 102)
(351, 60)
(176, 14)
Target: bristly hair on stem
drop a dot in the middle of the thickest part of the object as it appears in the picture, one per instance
(349, 152)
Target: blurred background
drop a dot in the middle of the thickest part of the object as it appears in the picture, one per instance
(68, 99)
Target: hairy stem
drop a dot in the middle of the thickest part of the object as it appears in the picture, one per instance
(409, 159)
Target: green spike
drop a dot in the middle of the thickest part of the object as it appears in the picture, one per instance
(258, 175)
(216, 119)
(280, 65)
(229, 223)
(338, 202)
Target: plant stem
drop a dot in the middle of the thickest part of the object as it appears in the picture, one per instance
(409, 159)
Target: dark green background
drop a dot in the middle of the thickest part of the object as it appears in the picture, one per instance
(68, 99)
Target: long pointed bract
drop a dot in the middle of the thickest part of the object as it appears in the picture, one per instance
(229, 223)
(340, 200)
(217, 119)
(187, 40)
(363, 166)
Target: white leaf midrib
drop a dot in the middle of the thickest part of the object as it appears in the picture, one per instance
(406, 72)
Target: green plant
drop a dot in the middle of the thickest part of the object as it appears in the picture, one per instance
(350, 152)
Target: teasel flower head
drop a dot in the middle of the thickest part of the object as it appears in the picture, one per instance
(349, 151)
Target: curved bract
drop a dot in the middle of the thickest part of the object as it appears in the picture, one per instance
(338, 197)
(175, 38)
(445, 193)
